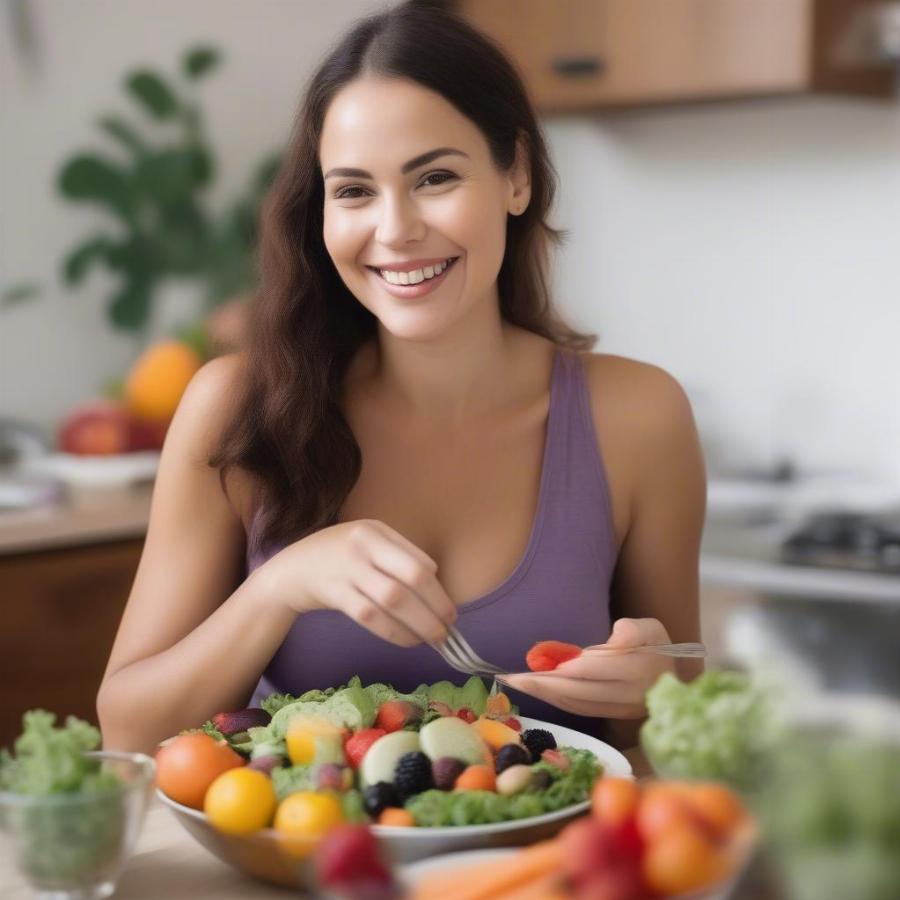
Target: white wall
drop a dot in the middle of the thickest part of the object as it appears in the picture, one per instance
(747, 247)
(752, 250)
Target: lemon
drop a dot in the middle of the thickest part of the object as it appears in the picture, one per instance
(304, 818)
(301, 738)
(240, 801)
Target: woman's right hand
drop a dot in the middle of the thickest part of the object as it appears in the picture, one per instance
(371, 573)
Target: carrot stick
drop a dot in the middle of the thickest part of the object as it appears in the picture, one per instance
(489, 880)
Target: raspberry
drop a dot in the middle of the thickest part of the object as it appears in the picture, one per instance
(445, 771)
(413, 774)
(380, 796)
(537, 741)
(511, 755)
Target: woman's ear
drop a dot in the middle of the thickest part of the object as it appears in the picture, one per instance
(519, 178)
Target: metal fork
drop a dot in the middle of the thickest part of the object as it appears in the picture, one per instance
(458, 654)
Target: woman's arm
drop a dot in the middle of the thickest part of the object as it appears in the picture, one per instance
(652, 453)
(657, 574)
(191, 641)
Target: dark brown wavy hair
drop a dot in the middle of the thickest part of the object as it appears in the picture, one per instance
(305, 325)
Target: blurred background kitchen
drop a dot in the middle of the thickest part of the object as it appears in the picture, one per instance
(730, 180)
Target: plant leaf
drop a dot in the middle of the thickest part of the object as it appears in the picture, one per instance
(122, 132)
(19, 293)
(79, 260)
(198, 61)
(153, 93)
(87, 177)
(130, 307)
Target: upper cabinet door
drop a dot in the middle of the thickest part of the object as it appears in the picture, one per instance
(576, 55)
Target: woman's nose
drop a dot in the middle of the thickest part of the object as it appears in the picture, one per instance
(399, 221)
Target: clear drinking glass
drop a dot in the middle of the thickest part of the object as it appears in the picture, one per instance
(73, 846)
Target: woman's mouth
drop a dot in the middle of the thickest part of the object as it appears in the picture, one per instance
(412, 290)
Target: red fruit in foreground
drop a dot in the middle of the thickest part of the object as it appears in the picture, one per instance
(621, 883)
(358, 744)
(396, 714)
(466, 715)
(512, 722)
(348, 858)
(589, 848)
(545, 656)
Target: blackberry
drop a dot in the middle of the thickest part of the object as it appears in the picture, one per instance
(511, 755)
(379, 796)
(413, 774)
(537, 741)
(445, 771)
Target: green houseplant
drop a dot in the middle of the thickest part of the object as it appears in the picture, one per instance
(153, 193)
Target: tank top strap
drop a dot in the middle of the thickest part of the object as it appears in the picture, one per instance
(577, 482)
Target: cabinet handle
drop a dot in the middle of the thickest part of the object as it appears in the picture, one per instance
(578, 66)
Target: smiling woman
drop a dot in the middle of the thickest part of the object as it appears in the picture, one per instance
(412, 438)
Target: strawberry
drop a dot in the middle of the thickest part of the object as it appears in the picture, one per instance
(393, 715)
(512, 722)
(545, 656)
(466, 715)
(348, 857)
(358, 744)
(557, 758)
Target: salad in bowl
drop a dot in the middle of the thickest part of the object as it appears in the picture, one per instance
(442, 768)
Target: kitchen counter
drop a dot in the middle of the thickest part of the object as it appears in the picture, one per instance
(105, 515)
(735, 555)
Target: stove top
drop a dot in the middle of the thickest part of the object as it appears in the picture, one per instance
(847, 540)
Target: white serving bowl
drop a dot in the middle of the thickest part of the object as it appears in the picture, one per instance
(262, 855)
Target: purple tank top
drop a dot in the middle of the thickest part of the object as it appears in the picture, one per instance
(559, 590)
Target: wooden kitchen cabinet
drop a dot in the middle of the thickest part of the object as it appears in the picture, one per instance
(582, 55)
(60, 609)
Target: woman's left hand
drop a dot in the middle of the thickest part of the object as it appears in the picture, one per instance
(605, 685)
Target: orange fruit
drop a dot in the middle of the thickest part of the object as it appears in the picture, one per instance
(304, 818)
(190, 763)
(718, 807)
(476, 778)
(240, 801)
(495, 734)
(157, 380)
(662, 807)
(681, 860)
(393, 815)
(615, 800)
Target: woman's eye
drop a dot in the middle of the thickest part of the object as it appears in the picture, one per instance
(446, 176)
(345, 193)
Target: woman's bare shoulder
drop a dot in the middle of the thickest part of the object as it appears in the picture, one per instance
(208, 406)
(640, 396)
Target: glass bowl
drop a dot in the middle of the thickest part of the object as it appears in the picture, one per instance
(73, 846)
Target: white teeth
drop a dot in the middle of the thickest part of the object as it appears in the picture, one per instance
(414, 277)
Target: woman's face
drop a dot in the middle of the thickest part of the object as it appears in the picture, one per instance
(409, 208)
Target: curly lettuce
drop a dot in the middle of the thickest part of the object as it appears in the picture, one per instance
(436, 808)
(718, 726)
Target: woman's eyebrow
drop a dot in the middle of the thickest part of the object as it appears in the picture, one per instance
(414, 163)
